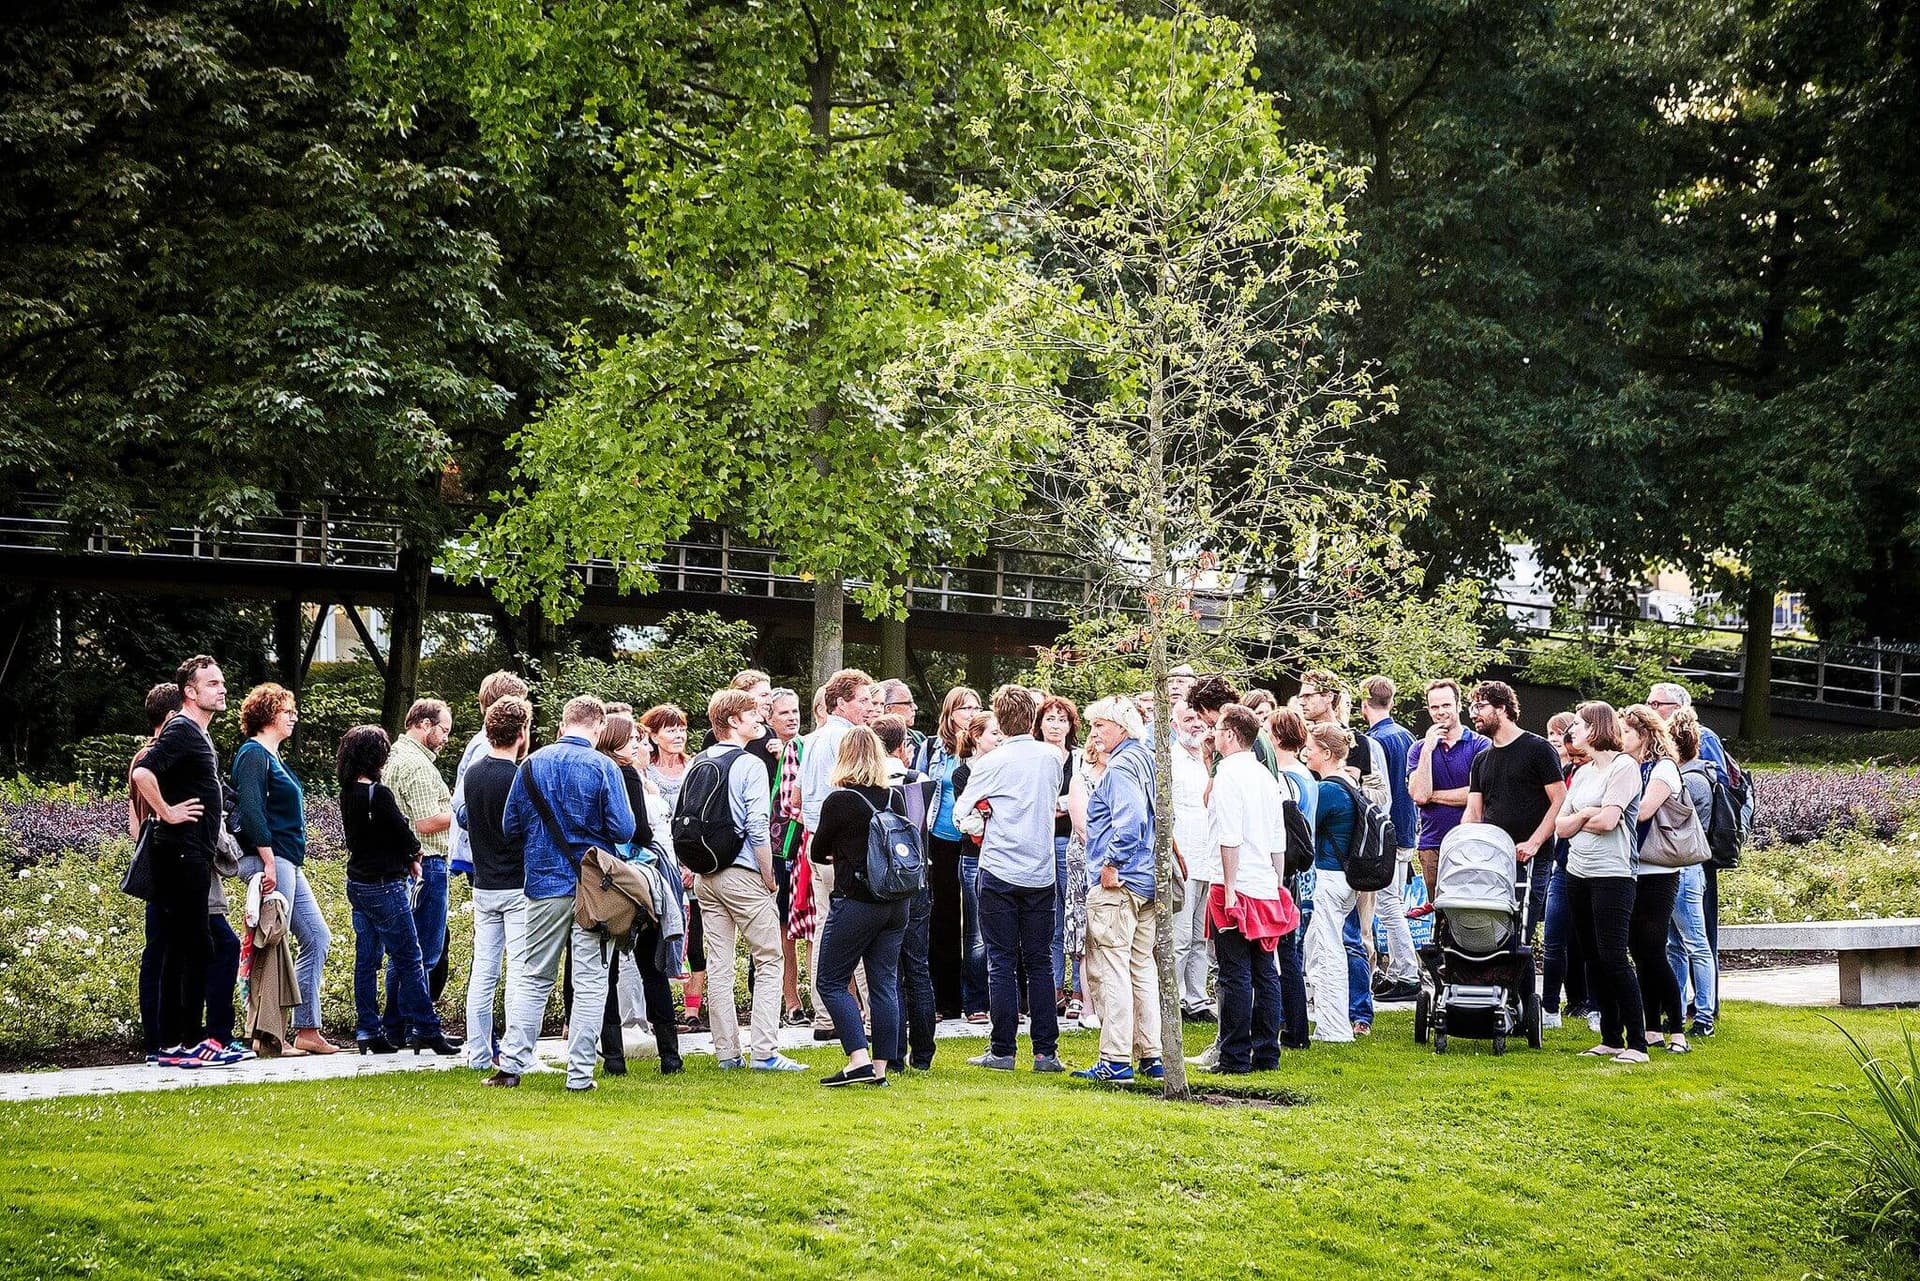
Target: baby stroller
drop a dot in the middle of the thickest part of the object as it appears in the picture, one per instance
(1479, 969)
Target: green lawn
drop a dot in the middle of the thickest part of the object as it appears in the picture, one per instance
(1398, 1164)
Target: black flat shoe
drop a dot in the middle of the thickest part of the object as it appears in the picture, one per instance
(438, 1043)
(376, 1045)
(862, 1075)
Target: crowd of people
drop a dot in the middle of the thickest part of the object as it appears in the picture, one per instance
(1000, 870)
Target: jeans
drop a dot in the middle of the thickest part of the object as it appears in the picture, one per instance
(1192, 954)
(973, 947)
(1291, 962)
(1565, 963)
(867, 934)
(1602, 914)
(611, 1039)
(1711, 906)
(1688, 953)
(915, 1044)
(309, 929)
(499, 931)
(1391, 904)
(1249, 1003)
(550, 931)
(944, 929)
(1016, 927)
(430, 928)
(383, 923)
(223, 975)
(1647, 943)
(1359, 977)
(1327, 958)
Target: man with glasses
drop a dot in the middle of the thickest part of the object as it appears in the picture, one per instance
(896, 699)
(1440, 769)
(427, 802)
(1666, 699)
(1515, 785)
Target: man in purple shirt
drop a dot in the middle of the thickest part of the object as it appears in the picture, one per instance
(1439, 768)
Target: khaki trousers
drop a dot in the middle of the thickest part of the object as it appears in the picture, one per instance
(735, 902)
(1121, 928)
(822, 874)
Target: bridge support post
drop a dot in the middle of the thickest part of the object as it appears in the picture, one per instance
(980, 672)
(405, 624)
(288, 626)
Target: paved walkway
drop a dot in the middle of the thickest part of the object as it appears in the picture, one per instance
(1811, 985)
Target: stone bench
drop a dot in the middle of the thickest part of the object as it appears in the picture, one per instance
(1879, 960)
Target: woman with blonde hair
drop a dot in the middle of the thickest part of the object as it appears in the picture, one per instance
(862, 928)
(1689, 949)
(1596, 822)
(1644, 737)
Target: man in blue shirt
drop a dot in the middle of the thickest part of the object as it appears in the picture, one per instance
(1439, 771)
(582, 804)
(1121, 922)
(1401, 979)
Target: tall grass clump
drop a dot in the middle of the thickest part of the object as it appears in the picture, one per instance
(1883, 1148)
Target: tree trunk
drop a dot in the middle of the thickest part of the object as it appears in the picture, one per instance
(979, 673)
(1173, 1054)
(405, 622)
(1756, 678)
(893, 649)
(829, 626)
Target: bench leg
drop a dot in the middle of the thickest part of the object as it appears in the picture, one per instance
(1880, 976)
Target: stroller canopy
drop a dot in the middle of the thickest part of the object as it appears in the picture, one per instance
(1477, 869)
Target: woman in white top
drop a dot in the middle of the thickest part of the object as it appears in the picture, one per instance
(1644, 737)
(1199, 860)
(1596, 821)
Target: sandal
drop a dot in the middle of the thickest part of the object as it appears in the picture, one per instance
(797, 1017)
(1074, 1008)
(980, 1017)
(691, 1024)
(1601, 1052)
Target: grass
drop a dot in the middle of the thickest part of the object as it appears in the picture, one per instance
(1398, 1163)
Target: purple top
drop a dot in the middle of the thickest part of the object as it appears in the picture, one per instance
(1452, 767)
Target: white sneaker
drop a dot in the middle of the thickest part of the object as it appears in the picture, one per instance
(1548, 1022)
(777, 1063)
(1593, 1022)
(1090, 1021)
(1207, 1058)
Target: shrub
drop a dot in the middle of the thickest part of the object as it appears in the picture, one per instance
(1885, 1158)
(99, 764)
(1801, 805)
(1851, 874)
(1883, 747)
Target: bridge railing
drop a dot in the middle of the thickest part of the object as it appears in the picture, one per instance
(1003, 583)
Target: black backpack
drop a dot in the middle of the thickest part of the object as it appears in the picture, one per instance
(1724, 837)
(1372, 851)
(1299, 852)
(896, 864)
(704, 836)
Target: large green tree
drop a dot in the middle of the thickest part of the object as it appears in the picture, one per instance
(777, 163)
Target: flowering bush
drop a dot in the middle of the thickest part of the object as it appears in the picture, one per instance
(1853, 874)
(1797, 806)
(39, 824)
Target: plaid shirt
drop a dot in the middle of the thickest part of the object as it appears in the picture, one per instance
(786, 799)
(416, 784)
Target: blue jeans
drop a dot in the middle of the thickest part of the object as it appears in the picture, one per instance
(309, 930)
(1689, 952)
(868, 933)
(1565, 964)
(973, 947)
(1249, 1003)
(915, 1042)
(382, 922)
(430, 929)
(1017, 925)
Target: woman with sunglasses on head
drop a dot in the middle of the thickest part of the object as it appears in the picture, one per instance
(1596, 820)
(271, 806)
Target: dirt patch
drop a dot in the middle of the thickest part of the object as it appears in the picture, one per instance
(1263, 1098)
(1774, 960)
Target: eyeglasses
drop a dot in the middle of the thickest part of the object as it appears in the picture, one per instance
(901, 702)
(1478, 705)
(1660, 703)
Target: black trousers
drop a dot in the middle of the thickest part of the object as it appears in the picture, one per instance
(181, 931)
(945, 940)
(654, 991)
(1602, 916)
(1647, 943)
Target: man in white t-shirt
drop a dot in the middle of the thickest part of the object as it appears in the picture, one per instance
(1247, 907)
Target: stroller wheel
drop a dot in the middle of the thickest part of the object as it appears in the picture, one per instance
(1439, 1042)
(1500, 1044)
(1530, 1018)
(1422, 1015)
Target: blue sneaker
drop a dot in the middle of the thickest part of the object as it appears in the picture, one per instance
(726, 1064)
(1112, 1073)
(1153, 1069)
(778, 1063)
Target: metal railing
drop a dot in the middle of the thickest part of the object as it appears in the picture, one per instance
(1002, 583)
